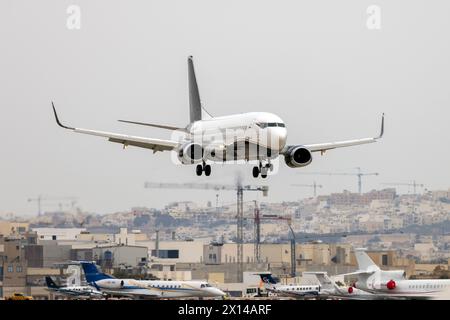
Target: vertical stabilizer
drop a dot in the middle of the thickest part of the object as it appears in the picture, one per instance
(91, 272)
(325, 282)
(50, 283)
(364, 261)
(195, 108)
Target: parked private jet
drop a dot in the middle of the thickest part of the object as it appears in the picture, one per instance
(329, 288)
(393, 282)
(147, 289)
(256, 136)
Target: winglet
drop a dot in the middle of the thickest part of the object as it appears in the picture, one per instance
(57, 119)
(382, 127)
(195, 107)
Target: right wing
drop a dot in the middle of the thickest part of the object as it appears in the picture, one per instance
(322, 147)
(126, 140)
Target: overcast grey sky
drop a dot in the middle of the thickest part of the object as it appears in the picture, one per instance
(313, 63)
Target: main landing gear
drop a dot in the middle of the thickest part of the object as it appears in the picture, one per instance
(262, 169)
(203, 168)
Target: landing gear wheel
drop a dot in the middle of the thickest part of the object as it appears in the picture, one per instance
(207, 170)
(255, 172)
(264, 172)
(199, 170)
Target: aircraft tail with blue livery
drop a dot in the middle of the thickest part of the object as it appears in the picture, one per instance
(92, 273)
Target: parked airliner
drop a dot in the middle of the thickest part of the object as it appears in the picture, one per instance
(147, 289)
(393, 282)
(254, 136)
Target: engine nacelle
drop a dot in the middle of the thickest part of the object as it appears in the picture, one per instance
(190, 153)
(391, 284)
(297, 156)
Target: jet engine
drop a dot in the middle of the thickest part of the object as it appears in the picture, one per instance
(297, 156)
(391, 284)
(190, 153)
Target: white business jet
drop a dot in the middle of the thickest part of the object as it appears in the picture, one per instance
(147, 289)
(393, 283)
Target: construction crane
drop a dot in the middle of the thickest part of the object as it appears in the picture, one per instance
(359, 174)
(257, 228)
(293, 262)
(413, 184)
(40, 199)
(239, 188)
(314, 186)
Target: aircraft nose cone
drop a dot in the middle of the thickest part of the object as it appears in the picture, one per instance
(277, 138)
(217, 292)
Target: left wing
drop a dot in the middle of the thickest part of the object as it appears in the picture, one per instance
(126, 140)
(322, 147)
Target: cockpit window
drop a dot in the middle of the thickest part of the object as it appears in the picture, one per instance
(270, 124)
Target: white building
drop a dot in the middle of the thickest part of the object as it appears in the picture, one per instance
(58, 233)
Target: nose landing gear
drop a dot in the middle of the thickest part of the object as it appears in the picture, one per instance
(203, 168)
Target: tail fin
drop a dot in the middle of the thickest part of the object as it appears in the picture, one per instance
(267, 278)
(324, 281)
(50, 283)
(364, 261)
(92, 274)
(195, 106)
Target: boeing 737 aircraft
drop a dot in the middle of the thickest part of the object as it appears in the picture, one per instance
(147, 289)
(393, 282)
(254, 136)
(298, 291)
(73, 291)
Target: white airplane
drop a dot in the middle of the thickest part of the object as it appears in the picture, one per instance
(329, 288)
(73, 291)
(147, 289)
(393, 282)
(298, 291)
(254, 136)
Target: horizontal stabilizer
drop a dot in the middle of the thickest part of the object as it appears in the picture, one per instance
(154, 125)
(50, 283)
